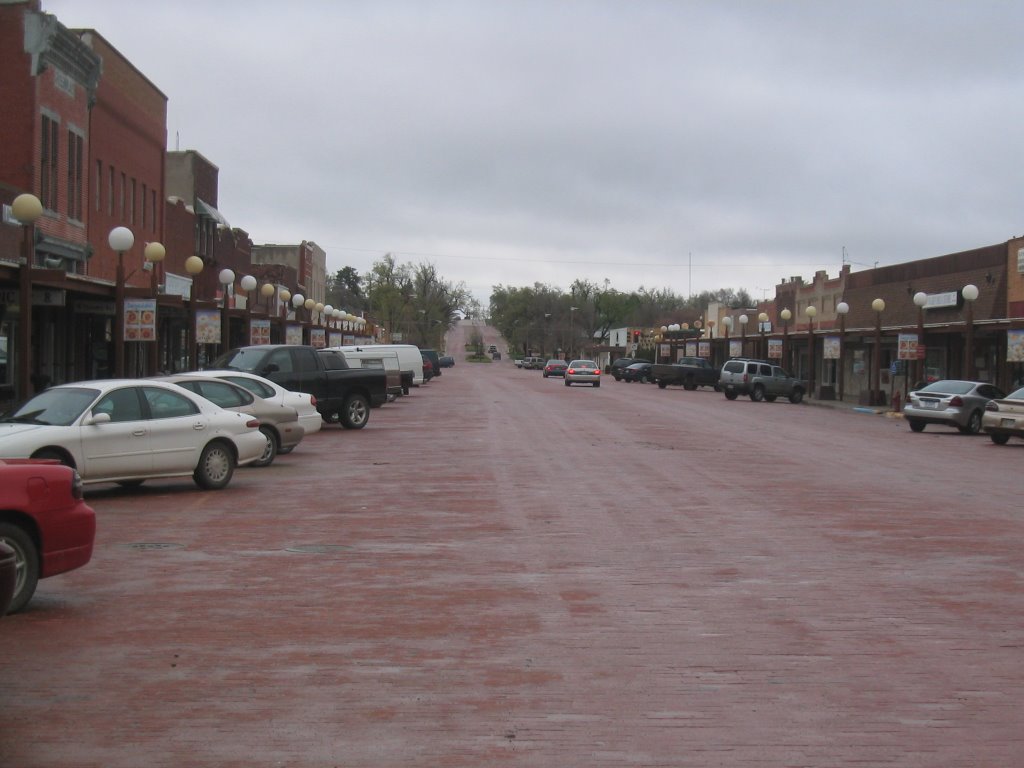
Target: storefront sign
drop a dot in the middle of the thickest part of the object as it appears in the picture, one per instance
(705, 349)
(774, 349)
(140, 319)
(831, 348)
(907, 346)
(293, 334)
(334, 338)
(40, 298)
(1015, 346)
(317, 338)
(691, 349)
(207, 326)
(735, 347)
(259, 332)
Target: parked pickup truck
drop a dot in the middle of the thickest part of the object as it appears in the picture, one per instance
(342, 393)
(691, 372)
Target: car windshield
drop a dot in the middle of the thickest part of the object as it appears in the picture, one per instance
(241, 360)
(949, 387)
(58, 407)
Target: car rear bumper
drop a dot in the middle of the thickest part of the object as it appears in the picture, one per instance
(70, 543)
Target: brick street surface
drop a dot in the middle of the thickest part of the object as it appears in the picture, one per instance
(501, 571)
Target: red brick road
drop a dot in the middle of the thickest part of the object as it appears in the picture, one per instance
(501, 571)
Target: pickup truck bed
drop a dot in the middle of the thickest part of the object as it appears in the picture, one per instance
(689, 372)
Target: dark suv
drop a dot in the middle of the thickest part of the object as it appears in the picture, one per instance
(760, 380)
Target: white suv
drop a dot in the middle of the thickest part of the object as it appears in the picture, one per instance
(760, 380)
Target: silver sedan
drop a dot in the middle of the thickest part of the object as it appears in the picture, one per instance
(1004, 418)
(583, 372)
(951, 403)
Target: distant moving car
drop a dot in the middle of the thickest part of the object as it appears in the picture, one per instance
(619, 366)
(951, 403)
(129, 430)
(303, 402)
(447, 361)
(638, 372)
(533, 363)
(44, 521)
(555, 368)
(583, 372)
(428, 369)
(519, 362)
(1004, 417)
(434, 358)
(278, 423)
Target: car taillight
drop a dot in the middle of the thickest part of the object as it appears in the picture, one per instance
(76, 485)
(745, 378)
(253, 423)
(312, 401)
(570, 370)
(957, 401)
(991, 405)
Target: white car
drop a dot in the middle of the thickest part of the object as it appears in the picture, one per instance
(303, 402)
(130, 430)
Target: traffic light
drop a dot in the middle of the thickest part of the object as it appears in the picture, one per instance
(636, 337)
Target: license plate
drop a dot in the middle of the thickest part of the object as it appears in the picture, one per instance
(1006, 422)
(933, 404)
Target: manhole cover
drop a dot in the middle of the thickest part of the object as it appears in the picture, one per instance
(318, 549)
(147, 545)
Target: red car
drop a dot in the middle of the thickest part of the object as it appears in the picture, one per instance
(44, 519)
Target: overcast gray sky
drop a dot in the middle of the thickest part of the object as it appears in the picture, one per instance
(681, 145)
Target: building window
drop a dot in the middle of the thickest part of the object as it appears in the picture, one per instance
(48, 164)
(124, 192)
(76, 159)
(110, 191)
(152, 194)
(131, 203)
(143, 202)
(98, 192)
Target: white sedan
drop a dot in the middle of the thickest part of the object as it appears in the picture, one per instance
(303, 402)
(128, 431)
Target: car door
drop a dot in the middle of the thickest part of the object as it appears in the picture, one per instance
(121, 447)
(222, 393)
(178, 430)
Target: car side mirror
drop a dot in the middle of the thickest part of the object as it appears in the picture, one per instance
(97, 418)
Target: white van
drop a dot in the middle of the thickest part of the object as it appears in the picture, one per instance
(409, 357)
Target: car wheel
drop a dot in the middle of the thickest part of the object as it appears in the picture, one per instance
(26, 564)
(216, 466)
(973, 425)
(661, 384)
(50, 453)
(270, 451)
(730, 395)
(915, 425)
(757, 394)
(283, 451)
(688, 384)
(567, 383)
(770, 398)
(796, 396)
(545, 374)
(597, 383)
(355, 412)
(999, 439)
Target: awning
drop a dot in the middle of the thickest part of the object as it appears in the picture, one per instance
(205, 209)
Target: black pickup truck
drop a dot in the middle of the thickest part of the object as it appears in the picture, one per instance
(691, 372)
(342, 394)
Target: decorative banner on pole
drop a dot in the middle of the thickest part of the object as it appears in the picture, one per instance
(831, 346)
(735, 347)
(334, 338)
(907, 346)
(1015, 346)
(259, 332)
(317, 338)
(691, 349)
(139, 319)
(774, 349)
(293, 334)
(705, 349)
(207, 326)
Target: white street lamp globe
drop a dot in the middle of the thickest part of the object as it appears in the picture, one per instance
(226, 277)
(248, 283)
(267, 290)
(969, 292)
(297, 300)
(154, 252)
(878, 305)
(762, 317)
(920, 298)
(328, 309)
(193, 265)
(727, 321)
(121, 239)
(27, 208)
(786, 315)
(842, 308)
(309, 304)
(811, 311)
(285, 295)
(744, 319)
(319, 307)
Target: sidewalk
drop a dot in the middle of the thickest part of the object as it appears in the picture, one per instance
(847, 405)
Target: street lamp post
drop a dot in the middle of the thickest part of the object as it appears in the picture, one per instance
(227, 279)
(743, 331)
(811, 312)
(727, 324)
(193, 265)
(878, 305)
(27, 209)
(920, 299)
(572, 330)
(786, 316)
(762, 321)
(248, 284)
(841, 309)
(154, 253)
(970, 294)
(120, 239)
